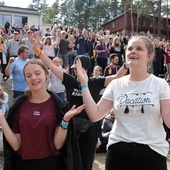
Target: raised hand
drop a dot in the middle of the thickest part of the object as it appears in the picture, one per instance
(11, 60)
(35, 41)
(72, 112)
(81, 73)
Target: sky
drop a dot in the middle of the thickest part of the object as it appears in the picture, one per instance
(23, 3)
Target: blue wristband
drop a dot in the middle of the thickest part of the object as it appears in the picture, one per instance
(85, 86)
(64, 125)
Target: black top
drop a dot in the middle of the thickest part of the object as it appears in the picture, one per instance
(74, 92)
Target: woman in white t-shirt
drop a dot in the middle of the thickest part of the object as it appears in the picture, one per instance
(140, 102)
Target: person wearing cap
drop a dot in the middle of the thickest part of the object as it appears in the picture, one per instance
(87, 140)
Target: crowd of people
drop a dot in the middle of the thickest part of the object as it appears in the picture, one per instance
(59, 75)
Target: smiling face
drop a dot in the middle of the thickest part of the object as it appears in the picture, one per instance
(139, 52)
(35, 76)
(57, 61)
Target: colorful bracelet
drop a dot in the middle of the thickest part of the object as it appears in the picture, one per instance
(85, 86)
(64, 125)
(38, 52)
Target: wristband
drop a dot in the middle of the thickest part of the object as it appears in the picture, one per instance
(64, 125)
(85, 86)
(65, 120)
(38, 52)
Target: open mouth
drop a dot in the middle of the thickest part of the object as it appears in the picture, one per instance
(133, 58)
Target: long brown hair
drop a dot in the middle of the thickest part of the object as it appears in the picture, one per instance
(45, 41)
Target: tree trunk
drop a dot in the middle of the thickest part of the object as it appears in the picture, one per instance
(125, 18)
(132, 22)
(159, 17)
(167, 23)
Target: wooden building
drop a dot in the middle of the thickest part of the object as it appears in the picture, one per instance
(121, 22)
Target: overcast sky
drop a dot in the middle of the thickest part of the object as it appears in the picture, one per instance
(23, 3)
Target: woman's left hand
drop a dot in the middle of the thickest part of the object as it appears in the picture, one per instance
(81, 73)
(72, 112)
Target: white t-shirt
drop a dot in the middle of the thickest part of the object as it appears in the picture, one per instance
(142, 122)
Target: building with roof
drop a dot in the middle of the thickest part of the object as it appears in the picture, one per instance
(20, 16)
(121, 22)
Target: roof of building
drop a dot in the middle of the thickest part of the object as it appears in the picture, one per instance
(28, 10)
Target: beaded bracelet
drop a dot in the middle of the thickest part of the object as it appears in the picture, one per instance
(85, 86)
(38, 52)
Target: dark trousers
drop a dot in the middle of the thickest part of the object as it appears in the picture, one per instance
(156, 68)
(132, 156)
(50, 163)
(102, 63)
(87, 143)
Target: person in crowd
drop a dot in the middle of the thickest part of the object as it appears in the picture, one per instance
(3, 52)
(48, 46)
(3, 101)
(162, 53)
(55, 33)
(48, 32)
(24, 31)
(87, 138)
(7, 26)
(167, 59)
(55, 84)
(64, 45)
(93, 38)
(72, 52)
(13, 45)
(97, 71)
(37, 126)
(26, 41)
(113, 67)
(106, 127)
(140, 102)
(84, 45)
(109, 45)
(15, 68)
(157, 60)
(33, 28)
(118, 49)
(107, 124)
(101, 54)
(17, 28)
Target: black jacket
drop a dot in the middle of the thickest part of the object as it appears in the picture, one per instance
(70, 152)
